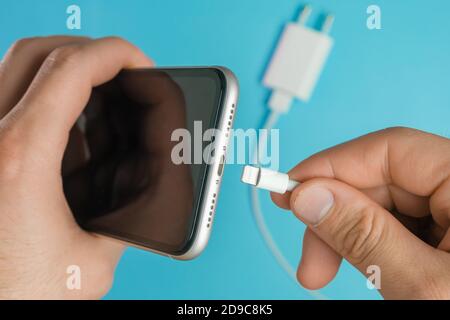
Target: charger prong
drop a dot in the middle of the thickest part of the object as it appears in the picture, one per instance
(328, 24)
(304, 14)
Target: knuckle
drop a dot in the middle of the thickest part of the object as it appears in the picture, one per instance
(21, 45)
(63, 56)
(119, 41)
(401, 131)
(116, 39)
(359, 236)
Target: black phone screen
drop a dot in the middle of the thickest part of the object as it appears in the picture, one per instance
(119, 175)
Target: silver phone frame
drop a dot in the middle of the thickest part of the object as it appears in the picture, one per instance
(213, 180)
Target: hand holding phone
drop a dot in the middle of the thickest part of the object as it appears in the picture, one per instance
(45, 83)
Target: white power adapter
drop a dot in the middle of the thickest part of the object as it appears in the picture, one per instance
(298, 61)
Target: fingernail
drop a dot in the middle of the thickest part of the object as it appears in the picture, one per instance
(313, 204)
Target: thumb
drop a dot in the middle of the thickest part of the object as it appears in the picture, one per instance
(62, 87)
(366, 235)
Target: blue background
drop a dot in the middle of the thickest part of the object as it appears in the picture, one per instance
(399, 75)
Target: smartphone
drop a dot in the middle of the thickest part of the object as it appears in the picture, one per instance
(145, 160)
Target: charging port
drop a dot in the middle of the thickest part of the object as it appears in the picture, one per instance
(221, 165)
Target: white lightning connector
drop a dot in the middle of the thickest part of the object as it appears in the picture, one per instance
(268, 179)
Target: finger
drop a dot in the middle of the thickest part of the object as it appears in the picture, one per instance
(411, 160)
(63, 85)
(281, 200)
(365, 234)
(440, 204)
(319, 263)
(444, 245)
(21, 63)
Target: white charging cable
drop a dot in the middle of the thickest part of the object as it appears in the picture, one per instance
(292, 72)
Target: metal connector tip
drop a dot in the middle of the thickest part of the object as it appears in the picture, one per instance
(250, 175)
(328, 23)
(304, 14)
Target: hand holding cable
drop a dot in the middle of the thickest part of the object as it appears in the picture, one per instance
(379, 200)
